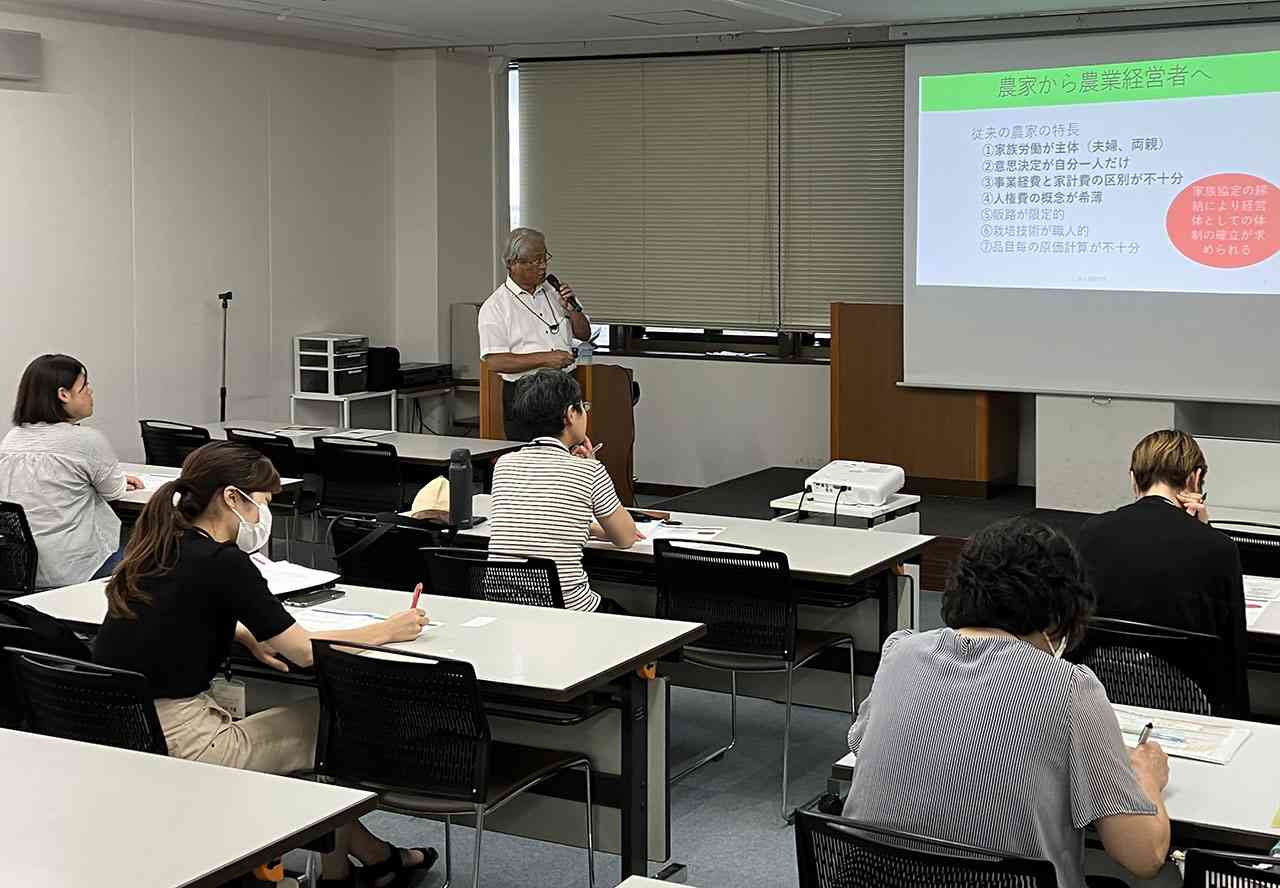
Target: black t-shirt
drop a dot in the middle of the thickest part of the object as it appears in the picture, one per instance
(1151, 562)
(181, 638)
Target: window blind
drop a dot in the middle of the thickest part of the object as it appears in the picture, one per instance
(842, 181)
(732, 191)
(653, 180)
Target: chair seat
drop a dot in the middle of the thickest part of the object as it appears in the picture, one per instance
(511, 767)
(808, 643)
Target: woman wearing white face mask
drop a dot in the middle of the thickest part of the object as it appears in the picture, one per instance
(185, 590)
(980, 733)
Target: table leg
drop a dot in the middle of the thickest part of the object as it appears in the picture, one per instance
(293, 402)
(888, 605)
(450, 409)
(344, 414)
(635, 783)
(393, 411)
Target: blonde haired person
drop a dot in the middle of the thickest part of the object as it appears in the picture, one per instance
(1158, 561)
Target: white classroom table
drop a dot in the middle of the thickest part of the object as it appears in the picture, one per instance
(825, 560)
(530, 652)
(645, 882)
(1236, 804)
(133, 501)
(78, 814)
(344, 404)
(897, 507)
(429, 450)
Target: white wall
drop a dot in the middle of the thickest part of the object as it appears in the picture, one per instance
(149, 171)
(701, 422)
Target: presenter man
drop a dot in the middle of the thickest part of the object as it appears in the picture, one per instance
(527, 324)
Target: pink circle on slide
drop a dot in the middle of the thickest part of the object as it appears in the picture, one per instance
(1228, 220)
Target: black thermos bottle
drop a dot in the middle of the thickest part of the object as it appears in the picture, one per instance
(460, 488)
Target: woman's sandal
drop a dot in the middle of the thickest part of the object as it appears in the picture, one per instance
(395, 866)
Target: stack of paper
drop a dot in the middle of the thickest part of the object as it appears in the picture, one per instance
(287, 578)
(1185, 736)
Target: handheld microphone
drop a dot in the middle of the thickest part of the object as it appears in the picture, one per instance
(573, 300)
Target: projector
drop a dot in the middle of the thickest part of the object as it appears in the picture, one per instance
(855, 483)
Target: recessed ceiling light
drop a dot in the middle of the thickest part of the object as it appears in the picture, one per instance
(788, 9)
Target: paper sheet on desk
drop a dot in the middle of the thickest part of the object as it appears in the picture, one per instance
(360, 434)
(1202, 739)
(1262, 588)
(663, 531)
(285, 577)
(318, 619)
(151, 480)
(299, 431)
(1253, 611)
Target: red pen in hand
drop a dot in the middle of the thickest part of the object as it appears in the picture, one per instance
(417, 593)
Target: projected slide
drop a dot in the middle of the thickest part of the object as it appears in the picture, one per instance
(1154, 175)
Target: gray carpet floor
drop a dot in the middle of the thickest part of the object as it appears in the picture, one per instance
(725, 824)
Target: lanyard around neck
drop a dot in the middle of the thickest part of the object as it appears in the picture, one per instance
(551, 328)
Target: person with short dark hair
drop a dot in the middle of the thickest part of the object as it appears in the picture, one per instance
(551, 497)
(1158, 561)
(980, 733)
(63, 474)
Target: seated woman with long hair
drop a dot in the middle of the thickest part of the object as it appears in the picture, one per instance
(185, 590)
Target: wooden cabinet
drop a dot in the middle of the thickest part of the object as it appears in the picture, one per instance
(949, 442)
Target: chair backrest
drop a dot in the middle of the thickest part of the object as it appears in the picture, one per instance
(511, 579)
(279, 449)
(1214, 869)
(168, 443)
(400, 721)
(743, 595)
(70, 698)
(1259, 550)
(832, 852)
(12, 636)
(18, 553)
(1144, 665)
(391, 559)
(358, 477)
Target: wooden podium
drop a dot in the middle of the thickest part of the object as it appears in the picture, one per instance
(612, 420)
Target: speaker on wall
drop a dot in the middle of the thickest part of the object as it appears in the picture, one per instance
(20, 57)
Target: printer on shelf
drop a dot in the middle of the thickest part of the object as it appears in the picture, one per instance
(855, 483)
(387, 372)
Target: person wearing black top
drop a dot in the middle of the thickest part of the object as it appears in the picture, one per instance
(185, 589)
(1158, 561)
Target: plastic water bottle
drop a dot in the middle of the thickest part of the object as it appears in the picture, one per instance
(460, 488)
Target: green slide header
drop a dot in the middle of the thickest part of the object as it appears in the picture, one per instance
(1218, 75)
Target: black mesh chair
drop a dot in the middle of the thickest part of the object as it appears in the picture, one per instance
(510, 579)
(832, 852)
(745, 598)
(70, 698)
(1144, 665)
(357, 477)
(412, 728)
(1214, 869)
(280, 449)
(379, 553)
(168, 443)
(18, 553)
